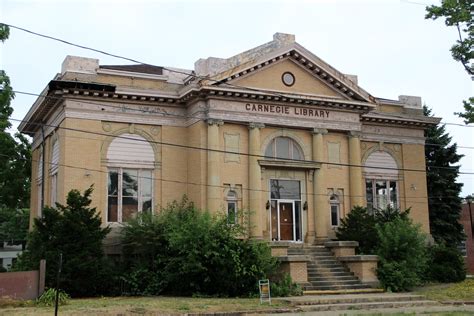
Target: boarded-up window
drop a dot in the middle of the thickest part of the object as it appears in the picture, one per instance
(130, 159)
(381, 164)
(55, 157)
(130, 149)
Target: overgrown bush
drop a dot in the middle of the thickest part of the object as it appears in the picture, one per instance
(402, 253)
(184, 251)
(446, 264)
(285, 287)
(75, 231)
(48, 298)
(359, 226)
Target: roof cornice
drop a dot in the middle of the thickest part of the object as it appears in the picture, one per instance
(304, 58)
(399, 119)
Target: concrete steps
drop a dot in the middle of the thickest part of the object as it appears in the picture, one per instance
(341, 302)
(325, 272)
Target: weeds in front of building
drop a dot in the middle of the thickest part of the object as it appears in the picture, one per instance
(185, 251)
(406, 258)
(181, 250)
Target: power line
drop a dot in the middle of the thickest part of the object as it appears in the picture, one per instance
(191, 74)
(239, 153)
(217, 186)
(164, 113)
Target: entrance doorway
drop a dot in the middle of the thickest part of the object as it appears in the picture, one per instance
(285, 210)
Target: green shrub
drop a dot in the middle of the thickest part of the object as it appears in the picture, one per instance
(402, 253)
(446, 264)
(48, 298)
(75, 231)
(359, 226)
(186, 251)
(285, 287)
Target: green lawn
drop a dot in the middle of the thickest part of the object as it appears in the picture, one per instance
(463, 291)
(145, 305)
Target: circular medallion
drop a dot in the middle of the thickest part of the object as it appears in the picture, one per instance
(107, 127)
(288, 79)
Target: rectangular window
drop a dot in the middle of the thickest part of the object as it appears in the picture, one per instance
(369, 194)
(285, 189)
(40, 198)
(129, 192)
(231, 212)
(334, 215)
(381, 193)
(54, 189)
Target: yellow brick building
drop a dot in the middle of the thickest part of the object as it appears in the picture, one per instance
(273, 133)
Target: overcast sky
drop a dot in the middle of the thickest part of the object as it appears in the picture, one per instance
(387, 43)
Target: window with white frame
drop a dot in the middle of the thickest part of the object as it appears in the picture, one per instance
(381, 194)
(129, 192)
(232, 217)
(284, 148)
(335, 208)
(381, 177)
(130, 160)
(54, 172)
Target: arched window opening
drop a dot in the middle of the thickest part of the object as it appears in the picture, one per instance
(381, 175)
(232, 207)
(130, 160)
(284, 148)
(335, 210)
(54, 172)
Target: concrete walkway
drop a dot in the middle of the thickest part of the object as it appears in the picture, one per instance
(422, 310)
(371, 304)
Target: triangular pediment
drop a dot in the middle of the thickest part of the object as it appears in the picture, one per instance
(264, 71)
(301, 81)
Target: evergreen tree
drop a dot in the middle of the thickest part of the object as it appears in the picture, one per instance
(75, 231)
(444, 200)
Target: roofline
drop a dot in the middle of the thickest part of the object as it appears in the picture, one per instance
(39, 100)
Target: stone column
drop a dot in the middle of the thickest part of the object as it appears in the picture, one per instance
(355, 170)
(320, 205)
(255, 182)
(214, 199)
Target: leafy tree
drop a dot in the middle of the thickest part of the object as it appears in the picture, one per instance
(446, 264)
(444, 200)
(75, 231)
(182, 250)
(15, 151)
(402, 253)
(458, 13)
(14, 226)
(360, 225)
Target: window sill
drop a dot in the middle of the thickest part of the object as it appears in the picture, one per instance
(277, 163)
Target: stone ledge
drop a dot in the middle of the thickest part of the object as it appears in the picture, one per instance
(344, 243)
(359, 258)
(298, 258)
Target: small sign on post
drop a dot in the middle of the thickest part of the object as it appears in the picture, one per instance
(264, 287)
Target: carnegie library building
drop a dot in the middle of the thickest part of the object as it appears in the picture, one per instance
(274, 131)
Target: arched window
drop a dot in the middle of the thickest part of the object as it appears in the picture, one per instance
(231, 207)
(130, 161)
(381, 175)
(54, 172)
(39, 181)
(284, 148)
(335, 210)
